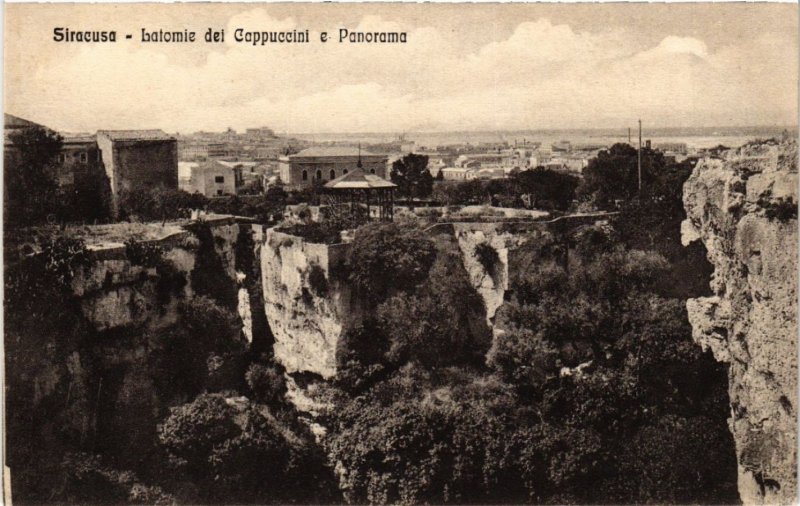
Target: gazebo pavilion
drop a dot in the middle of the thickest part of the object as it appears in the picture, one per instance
(351, 193)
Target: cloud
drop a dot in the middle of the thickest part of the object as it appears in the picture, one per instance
(539, 75)
(673, 45)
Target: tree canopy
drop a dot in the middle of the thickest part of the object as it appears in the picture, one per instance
(411, 176)
(31, 190)
(614, 175)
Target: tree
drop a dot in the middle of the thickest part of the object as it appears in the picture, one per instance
(274, 203)
(266, 382)
(385, 258)
(238, 452)
(30, 184)
(415, 439)
(550, 189)
(412, 177)
(158, 204)
(613, 175)
(204, 351)
(460, 193)
(233, 452)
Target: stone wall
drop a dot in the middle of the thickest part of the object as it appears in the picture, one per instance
(743, 208)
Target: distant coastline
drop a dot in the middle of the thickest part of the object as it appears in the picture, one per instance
(696, 137)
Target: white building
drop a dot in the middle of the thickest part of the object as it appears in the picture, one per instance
(212, 179)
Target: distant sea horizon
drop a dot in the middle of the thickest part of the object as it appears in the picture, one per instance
(694, 137)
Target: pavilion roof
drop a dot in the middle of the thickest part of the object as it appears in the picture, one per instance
(358, 179)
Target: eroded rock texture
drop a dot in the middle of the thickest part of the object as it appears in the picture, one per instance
(743, 208)
(306, 308)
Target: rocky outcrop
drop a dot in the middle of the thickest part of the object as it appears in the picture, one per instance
(743, 208)
(305, 306)
(308, 321)
(490, 281)
(124, 299)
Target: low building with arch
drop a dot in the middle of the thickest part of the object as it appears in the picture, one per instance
(326, 163)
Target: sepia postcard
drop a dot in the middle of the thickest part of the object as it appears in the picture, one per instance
(400, 253)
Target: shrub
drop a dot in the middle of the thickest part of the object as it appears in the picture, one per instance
(211, 326)
(430, 213)
(266, 382)
(158, 203)
(317, 280)
(487, 256)
(384, 257)
(782, 209)
(316, 232)
(236, 452)
(143, 253)
(88, 480)
(64, 256)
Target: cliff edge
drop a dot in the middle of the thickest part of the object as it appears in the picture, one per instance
(743, 207)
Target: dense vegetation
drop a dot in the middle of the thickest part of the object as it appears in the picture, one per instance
(32, 194)
(533, 188)
(411, 176)
(161, 204)
(592, 390)
(589, 388)
(185, 413)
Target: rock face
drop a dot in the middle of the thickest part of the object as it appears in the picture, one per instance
(743, 208)
(491, 284)
(305, 308)
(105, 383)
(308, 321)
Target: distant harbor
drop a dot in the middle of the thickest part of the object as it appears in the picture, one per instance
(697, 138)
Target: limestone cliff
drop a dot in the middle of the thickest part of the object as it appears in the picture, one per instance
(491, 284)
(103, 383)
(743, 208)
(306, 309)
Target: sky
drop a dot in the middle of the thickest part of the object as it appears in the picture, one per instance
(464, 67)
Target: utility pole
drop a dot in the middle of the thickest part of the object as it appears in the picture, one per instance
(640, 156)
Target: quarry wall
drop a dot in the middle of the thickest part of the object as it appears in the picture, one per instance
(308, 323)
(306, 317)
(103, 387)
(743, 208)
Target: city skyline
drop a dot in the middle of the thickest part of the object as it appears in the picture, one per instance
(534, 67)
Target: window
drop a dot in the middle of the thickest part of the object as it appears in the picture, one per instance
(305, 175)
(372, 171)
(319, 174)
(219, 179)
(84, 156)
(333, 174)
(345, 171)
(219, 192)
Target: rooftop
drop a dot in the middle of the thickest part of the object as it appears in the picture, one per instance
(215, 165)
(11, 121)
(136, 135)
(78, 139)
(358, 179)
(334, 151)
